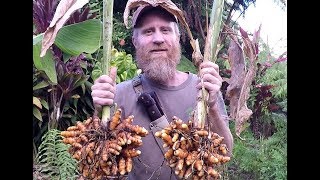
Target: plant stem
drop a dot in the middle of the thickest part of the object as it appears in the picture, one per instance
(210, 54)
(107, 41)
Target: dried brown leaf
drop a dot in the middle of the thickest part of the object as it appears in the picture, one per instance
(197, 57)
(251, 46)
(241, 79)
(255, 40)
(64, 9)
(243, 115)
(238, 71)
(207, 46)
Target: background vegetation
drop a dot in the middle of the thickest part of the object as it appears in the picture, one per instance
(63, 78)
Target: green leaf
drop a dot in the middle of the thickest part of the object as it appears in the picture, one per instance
(88, 102)
(45, 63)
(38, 38)
(88, 85)
(186, 65)
(40, 85)
(44, 104)
(83, 87)
(81, 81)
(66, 57)
(36, 56)
(37, 113)
(36, 101)
(80, 37)
(96, 73)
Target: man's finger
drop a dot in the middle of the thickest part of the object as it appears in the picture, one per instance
(113, 73)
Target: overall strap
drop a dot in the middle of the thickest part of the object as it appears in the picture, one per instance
(155, 125)
(137, 85)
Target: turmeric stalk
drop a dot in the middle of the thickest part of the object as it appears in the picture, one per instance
(210, 53)
(107, 41)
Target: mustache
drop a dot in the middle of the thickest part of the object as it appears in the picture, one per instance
(157, 48)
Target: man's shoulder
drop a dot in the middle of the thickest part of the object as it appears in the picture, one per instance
(125, 88)
(127, 83)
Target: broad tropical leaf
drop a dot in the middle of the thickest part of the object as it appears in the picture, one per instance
(64, 10)
(81, 37)
(45, 63)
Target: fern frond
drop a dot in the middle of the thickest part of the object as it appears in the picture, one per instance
(53, 160)
(67, 165)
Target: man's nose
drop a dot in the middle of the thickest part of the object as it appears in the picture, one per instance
(158, 38)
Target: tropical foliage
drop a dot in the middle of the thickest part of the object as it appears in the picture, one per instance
(263, 153)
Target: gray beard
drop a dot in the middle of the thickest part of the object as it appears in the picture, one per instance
(159, 69)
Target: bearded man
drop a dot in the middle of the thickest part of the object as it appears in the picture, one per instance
(156, 39)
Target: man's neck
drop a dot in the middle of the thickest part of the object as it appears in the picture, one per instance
(178, 78)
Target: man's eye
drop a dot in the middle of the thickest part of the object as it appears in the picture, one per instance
(165, 30)
(148, 31)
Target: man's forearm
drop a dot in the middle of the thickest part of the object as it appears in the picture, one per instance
(219, 126)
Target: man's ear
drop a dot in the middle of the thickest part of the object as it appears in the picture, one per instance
(134, 42)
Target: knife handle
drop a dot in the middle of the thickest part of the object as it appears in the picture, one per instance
(150, 104)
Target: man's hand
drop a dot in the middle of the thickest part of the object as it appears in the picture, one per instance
(212, 81)
(103, 89)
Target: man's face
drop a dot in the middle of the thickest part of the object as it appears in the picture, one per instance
(157, 48)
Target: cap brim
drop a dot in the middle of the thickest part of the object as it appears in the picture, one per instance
(144, 8)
